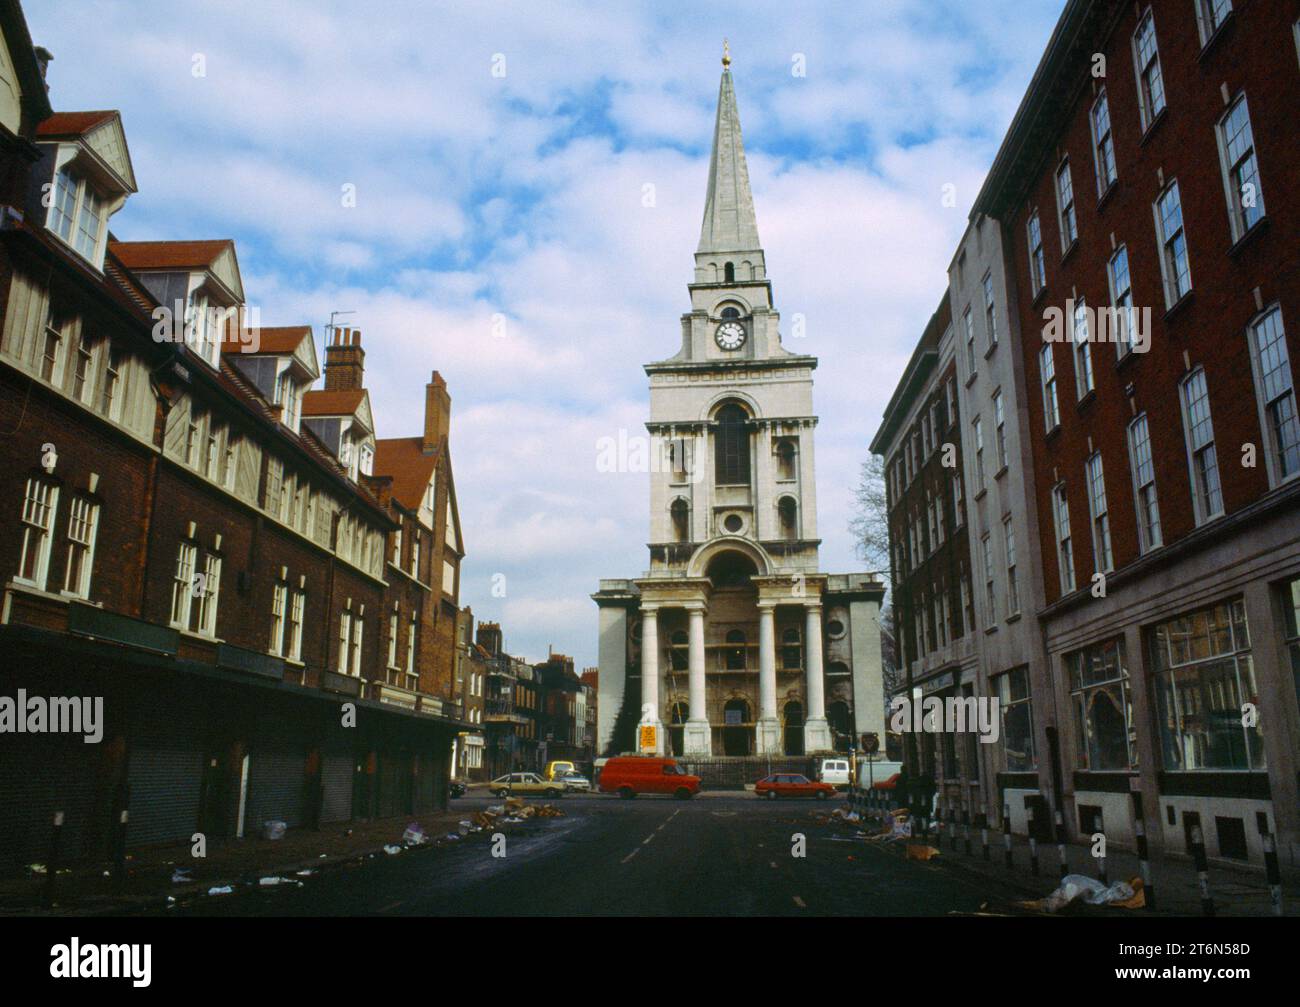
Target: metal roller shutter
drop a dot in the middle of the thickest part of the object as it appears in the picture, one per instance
(44, 774)
(165, 775)
(276, 788)
(336, 782)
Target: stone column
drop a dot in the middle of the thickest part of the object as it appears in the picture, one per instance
(697, 737)
(650, 678)
(816, 732)
(769, 727)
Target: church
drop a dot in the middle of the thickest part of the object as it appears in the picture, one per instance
(734, 644)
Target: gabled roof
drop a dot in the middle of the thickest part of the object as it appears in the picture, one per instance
(216, 257)
(67, 124)
(338, 402)
(101, 133)
(274, 341)
(403, 460)
(178, 255)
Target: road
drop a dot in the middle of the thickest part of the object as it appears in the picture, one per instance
(720, 855)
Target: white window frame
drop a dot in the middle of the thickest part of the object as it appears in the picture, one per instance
(1146, 501)
(990, 310)
(1121, 300)
(279, 606)
(1000, 429)
(83, 527)
(969, 323)
(1211, 15)
(1103, 143)
(1085, 379)
(977, 432)
(1013, 586)
(1064, 538)
(1037, 259)
(1198, 472)
(40, 509)
(1274, 387)
(990, 587)
(1167, 242)
(183, 585)
(1236, 173)
(1151, 92)
(1103, 553)
(297, 612)
(210, 600)
(1051, 399)
(1067, 218)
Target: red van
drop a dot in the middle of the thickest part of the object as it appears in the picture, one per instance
(630, 775)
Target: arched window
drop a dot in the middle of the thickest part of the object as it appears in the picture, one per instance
(729, 273)
(789, 513)
(791, 652)
(731, 446)
(785, 460)
(681, 515)
(730, 311)
(735, 654)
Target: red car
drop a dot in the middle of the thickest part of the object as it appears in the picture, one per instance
(792, 785)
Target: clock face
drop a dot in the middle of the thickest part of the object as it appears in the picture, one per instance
(730, 335)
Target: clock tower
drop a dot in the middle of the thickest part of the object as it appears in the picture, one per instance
(721, 649)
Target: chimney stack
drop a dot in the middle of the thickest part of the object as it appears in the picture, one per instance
(489, 637)
(437, 413)
(344, 361)
(43, 57)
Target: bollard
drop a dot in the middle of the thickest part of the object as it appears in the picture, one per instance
(984, 833)
(1098, 826)
(1144, 855)
(1274, 875)
(1202, 871)
(119, 850)
(52, 865)
(952, 824)
(1033, 844)
(1060, 843)
(1006, 835)
(965, 825)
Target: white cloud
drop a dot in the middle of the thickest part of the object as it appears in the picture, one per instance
(523, 199)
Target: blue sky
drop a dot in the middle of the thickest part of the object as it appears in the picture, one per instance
(483, 196)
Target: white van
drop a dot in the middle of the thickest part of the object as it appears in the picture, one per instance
(834, 771)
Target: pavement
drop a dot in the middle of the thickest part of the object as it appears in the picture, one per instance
(1236, 890)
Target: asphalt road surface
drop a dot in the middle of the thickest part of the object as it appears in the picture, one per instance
(713, 856)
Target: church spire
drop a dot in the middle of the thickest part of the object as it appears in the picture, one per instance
(729, 221)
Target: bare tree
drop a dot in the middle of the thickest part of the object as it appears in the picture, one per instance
(891, 672)
(870, 522)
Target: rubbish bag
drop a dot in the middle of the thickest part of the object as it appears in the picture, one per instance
(273, 830)
(1080, 887)
(414, 835)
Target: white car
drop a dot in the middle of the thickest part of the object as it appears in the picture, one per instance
(575, 782)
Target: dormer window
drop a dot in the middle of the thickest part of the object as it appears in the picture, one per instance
(367, 460)
(77, 214)
(200, 332)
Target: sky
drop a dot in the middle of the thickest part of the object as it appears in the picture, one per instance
(511, 194)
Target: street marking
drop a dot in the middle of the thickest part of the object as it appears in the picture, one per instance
(646, 840)
(631, 855)
(799, 902)
(773, 865)
(386, 908)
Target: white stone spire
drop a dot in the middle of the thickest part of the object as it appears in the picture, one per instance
(729, 221)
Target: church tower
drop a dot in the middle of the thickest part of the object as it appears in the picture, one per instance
(719, 649)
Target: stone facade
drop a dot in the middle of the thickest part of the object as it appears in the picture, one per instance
(734, 643)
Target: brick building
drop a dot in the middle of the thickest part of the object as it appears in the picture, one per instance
(198, 539)
(1164, 448)
(928, 507)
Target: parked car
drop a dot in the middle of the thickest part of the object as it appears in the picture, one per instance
(525, 783)
(628, 776)
(457, 788)
(834, 771)
(792, 785)
(574, 782)
(558, 767)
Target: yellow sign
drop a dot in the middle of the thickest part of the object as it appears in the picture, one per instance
(648, 738)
